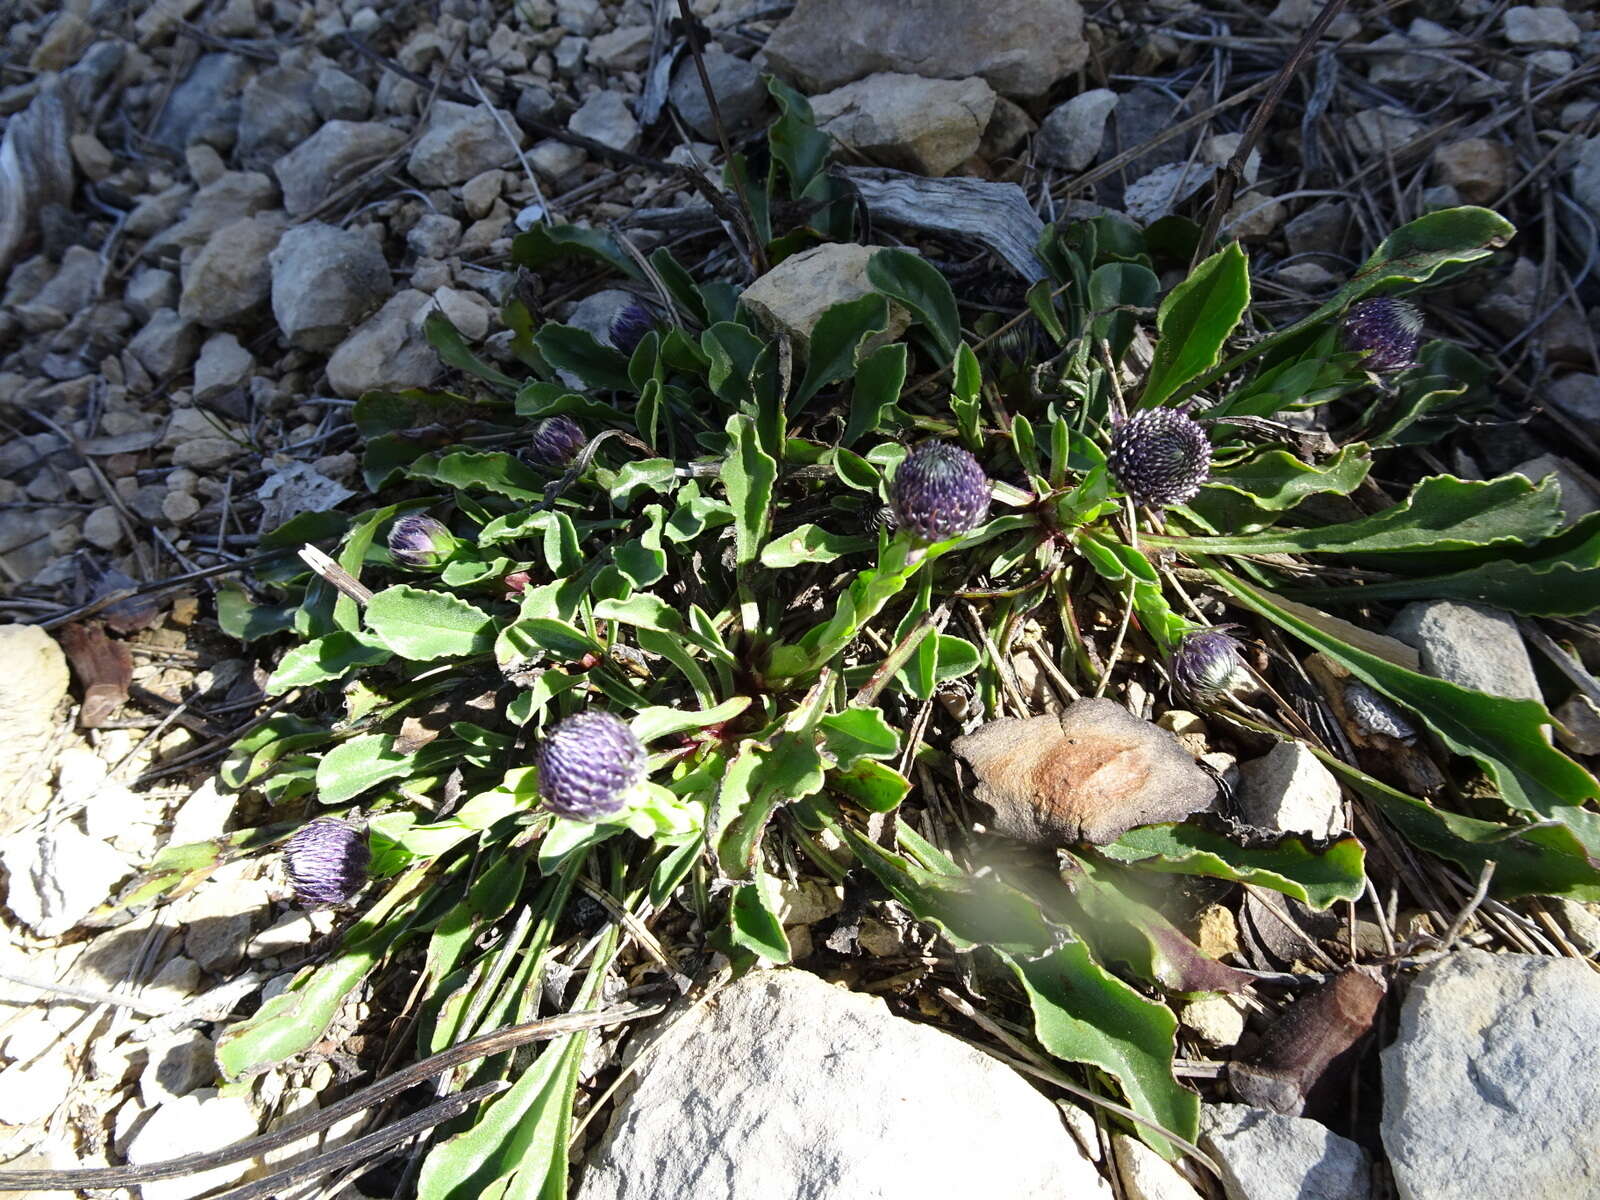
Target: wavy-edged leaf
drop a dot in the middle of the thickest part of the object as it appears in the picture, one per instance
(574, 350)
(917, 285)
(836, 339)
(492, 471)
(453, 351)
(423, 625)
(879, 379)
(1442, 514)
(748, 474)
(332, 656)
(811, 544)
(544, 245)
(1276, 480)
(1505, 736)
(1317, 877)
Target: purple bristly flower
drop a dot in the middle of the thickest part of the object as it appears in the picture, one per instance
(1388, 330)
(629, 326)
(326, 861)
(1208, 663)
(939, 492)
(557, 441)
(587, 765)
(1159, 457)
(419, 541)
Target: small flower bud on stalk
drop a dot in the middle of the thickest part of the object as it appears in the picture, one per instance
(629, 326)
(587, 766)
(1208, 664)
(1388, 330)
(556, 441)
(1159, 457)
(939, 492)
(326, 861)
(422, 542)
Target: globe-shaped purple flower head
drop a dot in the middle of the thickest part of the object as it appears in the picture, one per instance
(1159, 457)
(326, 861)
(629, 326)
(556, 441)
(587, 765)
(1208, 663)
(939, 492)
(419, 541)
(1389, 330)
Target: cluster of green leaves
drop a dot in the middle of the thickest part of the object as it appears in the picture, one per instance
(710, 573)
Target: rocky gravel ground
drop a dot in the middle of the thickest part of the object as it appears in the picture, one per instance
(221, 221)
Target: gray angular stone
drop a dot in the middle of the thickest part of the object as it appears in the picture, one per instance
(236, 195)
(1020, 47)
(1526, 25)
(1071, 135)
(218, 920)
(193, 1124)
(330, 158)
(32, 685)
(1321, 229)
(340, 97)
(929, 126)
(1145, 1174)
(70, 290)
(802, 1089)
(275, 115)
(224, 364)
(1578, 397)
(387, 350)
(792, 297)
(462, 140)
(737, 84)
(1586, 175)
(166, 345)
(606, 118)
(1491, 1085)
(325, 280)
(210, 83)
(230, 279)
(1470, 645)
(1267, 1156)
(1289, 790)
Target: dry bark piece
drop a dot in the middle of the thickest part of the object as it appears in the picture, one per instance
(1303, 1052)
(1089, 775)
(104, 667)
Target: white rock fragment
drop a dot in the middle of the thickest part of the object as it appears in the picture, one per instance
(1289, 790)
(59, 876)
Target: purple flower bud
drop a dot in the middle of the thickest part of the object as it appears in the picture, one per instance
(326, 861)
(419, 541)
(629, 326)
(556, 441)
(939, 492)
(587, 764)
(1208, 663)
(1159, 457)
(882, 518)
(1389, 330)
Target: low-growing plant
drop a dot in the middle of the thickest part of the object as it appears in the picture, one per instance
(655, 613)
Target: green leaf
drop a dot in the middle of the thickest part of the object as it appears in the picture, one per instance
(748, 474)
(791, 770)
(1420, 250)
(753, 919)
(1194, 322)
(493, 471)
(873, 785)
(643, 610)
(1082, 1013)
(332, 656)
(794, 139)
(917, 285)
(835, 340)
(966, 396)
(809, 544)
(574, 350)
(243, 619)
(1120, 286)
(1530, 860)
(544, 245)
(1314, 877)
(1441, 514)
(879, 379)
(1505, 736)
(453, 351)
(293, 1020)
(352, 767)
(422, 625)
(1276, 480)
(858, 733)
(648, 724)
